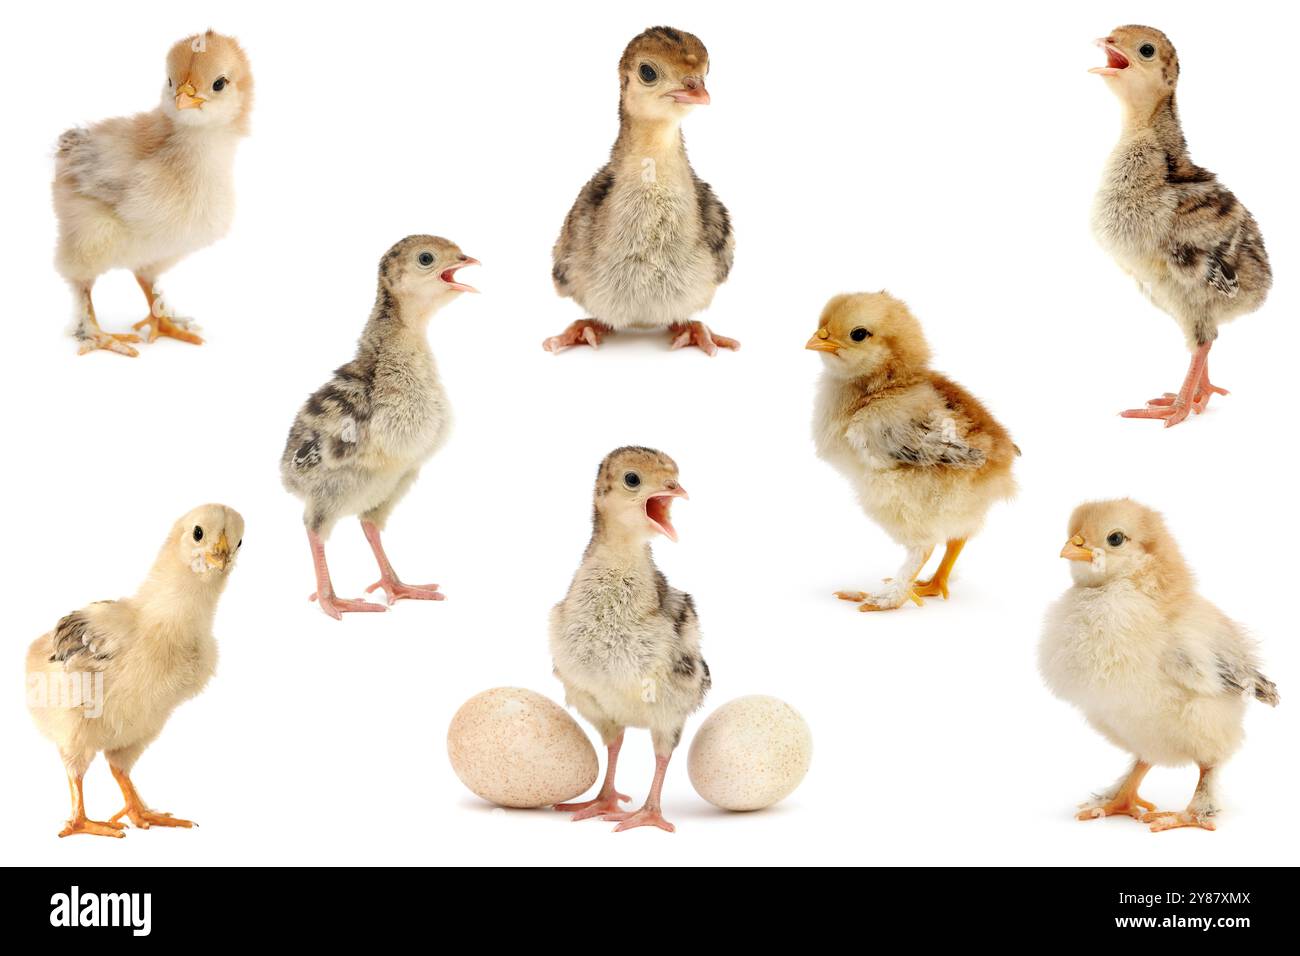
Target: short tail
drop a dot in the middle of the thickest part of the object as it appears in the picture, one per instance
(1266, 691)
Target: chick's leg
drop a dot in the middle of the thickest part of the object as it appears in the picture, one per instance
(1123, 798)
(937, 585)
(583, 332)
(140, 815)
(608, 799)
(159, 321)
(1194, 396)
(329, 603)
(394, 589)
(900, 589)
(78, 822)
(91, 337)
(1197, 814)
(649, 815)
(701, 336)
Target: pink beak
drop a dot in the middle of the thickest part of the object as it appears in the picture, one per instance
(448, 275)
(1115, 60)
(692, 91)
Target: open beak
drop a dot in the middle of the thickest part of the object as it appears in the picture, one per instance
(692, 92)
(448, 275)
(658, 510)
(822, 342)
(187, 100)
(219, 556)
(1115, 60)
(1075, 551)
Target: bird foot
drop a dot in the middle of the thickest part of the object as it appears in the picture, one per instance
(930, 588)
(699, 335)
(1173, 407)
(95, 340)
(169, 327)
(583, 332)
(603, 804)
(1175, 819)
(143, 818)
(645, 817)
(94, 828)
(335, 607)
(395, 590)
(1132, 806)
(888, 600)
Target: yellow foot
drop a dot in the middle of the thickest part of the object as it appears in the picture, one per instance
(878, 602)
(108, 342)
(168, 328)
(931, 588)
(1132, 806)
(93, 827)
(1174, 819)
(143, 819)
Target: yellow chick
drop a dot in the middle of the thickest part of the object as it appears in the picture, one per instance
(1157, 670)
(109, 675)
(926, 458)
(142, 192)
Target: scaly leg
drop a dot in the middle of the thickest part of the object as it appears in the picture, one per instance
(158, 322)
(331, 604)
(394, 589)
(141, 816)
(583, 332)
(701, 336)
(79, 823)
(900, 589)
(650, 814)
(1124, 799)
(92, 338)
(1197, 814)
(937, 586)
(1194, 395)
(608, 799)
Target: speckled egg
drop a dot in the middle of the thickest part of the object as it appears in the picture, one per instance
(751, 753)
(518, 748)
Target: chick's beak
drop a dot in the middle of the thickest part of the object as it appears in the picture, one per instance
(186, 98)
(1075, 551)
(692, 91)
(1115, 60)
(658, 508)
(822, 342)
(219, 556)
(448, 275)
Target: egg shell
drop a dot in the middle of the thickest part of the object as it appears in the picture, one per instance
(750, 753)
(518, 748)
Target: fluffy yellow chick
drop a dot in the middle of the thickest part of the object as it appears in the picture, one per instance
(142, 192)
(926, 458)
(109, 675)
(1158, 670)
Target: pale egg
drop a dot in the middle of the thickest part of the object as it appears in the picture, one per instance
(750, 753)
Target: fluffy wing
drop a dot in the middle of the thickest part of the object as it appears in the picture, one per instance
(716, 229)
(573, 244)
(81, 642)
(1216, 244)
(332, 424)
(1221, 663)
(925, 441)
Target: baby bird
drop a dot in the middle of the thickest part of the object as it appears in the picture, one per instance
(360, 439)
(1157, 670)
(647, 243)
(927, 459)
(109, 675)
(143, 192)
(1194, 249)
(626, 644)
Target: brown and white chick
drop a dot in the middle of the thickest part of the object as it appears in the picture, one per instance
(360, 440)
(109, 675)
(647, 243)
(1194, 250)
(1157, 669)
(926, 458)
(143, 192)
(626, 644)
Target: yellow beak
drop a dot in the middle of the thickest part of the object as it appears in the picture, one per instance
(219, 556)
(186, 100)
(1075, 551)
(822, 342)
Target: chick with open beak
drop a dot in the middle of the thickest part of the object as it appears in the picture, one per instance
(626, 645)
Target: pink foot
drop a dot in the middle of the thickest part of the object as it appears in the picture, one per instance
(645, 817)
(1194, 396)
(599, 807)
(699, 335)
(395, 591)
(583, 332)
(335, 607)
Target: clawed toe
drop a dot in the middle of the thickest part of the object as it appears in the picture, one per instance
(1175, 819)
(641, 818)
(583, 332)
(336, 607)
(701, 336)
(396, 591)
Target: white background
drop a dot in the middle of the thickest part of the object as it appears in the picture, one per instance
(945, 152)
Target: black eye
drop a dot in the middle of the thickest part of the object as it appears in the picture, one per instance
(632, 479)
(169, 82)
(859, 334)
(1115, 539)
(1147, 50)
(240, 545)
(198, 533)
(648, 73)
(426, 259)
(219, 85)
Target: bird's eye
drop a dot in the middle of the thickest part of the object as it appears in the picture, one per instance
(169, 82)
(859, 334)
(1147, 50)
(198, 533)
(426, 259)
(632, 479)
(240, 545)
(1115, 539)
(219, 85)
(648, 73)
